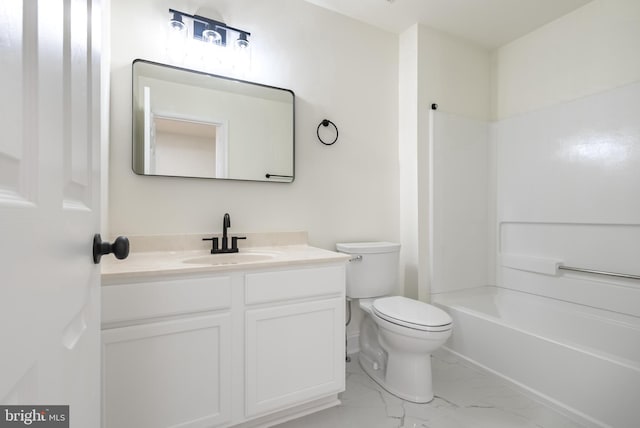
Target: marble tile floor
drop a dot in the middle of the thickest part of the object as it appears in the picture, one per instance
(465, 397)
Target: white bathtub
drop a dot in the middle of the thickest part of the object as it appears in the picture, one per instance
(582, 360)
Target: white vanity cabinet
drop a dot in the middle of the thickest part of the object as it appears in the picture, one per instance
(166, 353)
(294, 337)
(247, 348)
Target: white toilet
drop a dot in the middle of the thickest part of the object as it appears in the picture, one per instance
(397, 334)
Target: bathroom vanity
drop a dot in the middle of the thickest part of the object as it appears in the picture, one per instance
(193, 339)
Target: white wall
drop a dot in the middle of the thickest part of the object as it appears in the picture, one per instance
(453, 73)
(590, 50)
(456, 74)
(180, 154)
(408, 103)
(340, 69)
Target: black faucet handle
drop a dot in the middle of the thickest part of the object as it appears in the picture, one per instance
(234, 241)
(214, 244)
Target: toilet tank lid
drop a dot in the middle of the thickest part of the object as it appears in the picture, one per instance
(367, 247)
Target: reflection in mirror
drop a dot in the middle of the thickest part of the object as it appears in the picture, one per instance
(193, 124)
(187, 148)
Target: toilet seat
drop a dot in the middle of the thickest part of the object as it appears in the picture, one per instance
(412, 314)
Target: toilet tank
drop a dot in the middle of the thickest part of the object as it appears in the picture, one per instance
(373, 269)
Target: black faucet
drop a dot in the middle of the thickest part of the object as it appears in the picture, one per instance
(226, 223)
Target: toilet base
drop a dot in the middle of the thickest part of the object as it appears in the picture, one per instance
(377, 371)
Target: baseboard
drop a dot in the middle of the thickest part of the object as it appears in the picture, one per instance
(290, 414)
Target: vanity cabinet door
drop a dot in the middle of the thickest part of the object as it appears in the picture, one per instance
(294, 354)
(167, 374)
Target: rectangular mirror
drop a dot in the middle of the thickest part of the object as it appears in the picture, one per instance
(192, 124)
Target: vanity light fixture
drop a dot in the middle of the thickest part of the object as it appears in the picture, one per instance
(209, 30)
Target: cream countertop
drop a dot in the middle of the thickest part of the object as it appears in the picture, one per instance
(165, 260)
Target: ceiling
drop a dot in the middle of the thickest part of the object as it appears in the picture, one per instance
(489, 23)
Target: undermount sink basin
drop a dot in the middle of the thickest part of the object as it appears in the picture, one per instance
(230, 258)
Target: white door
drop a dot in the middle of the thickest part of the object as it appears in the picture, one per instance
(49, 205)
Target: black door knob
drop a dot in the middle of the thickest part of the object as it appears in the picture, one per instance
(119, 248)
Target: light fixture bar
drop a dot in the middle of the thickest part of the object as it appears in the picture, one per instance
(217, 31)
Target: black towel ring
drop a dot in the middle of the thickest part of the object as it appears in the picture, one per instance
(326, 122)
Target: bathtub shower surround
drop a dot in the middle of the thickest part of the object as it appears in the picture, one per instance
(567, 184)
(459, 191)
(578, 359)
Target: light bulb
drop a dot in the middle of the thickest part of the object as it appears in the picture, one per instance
(242, 41)
(211, 36)
(176, 24)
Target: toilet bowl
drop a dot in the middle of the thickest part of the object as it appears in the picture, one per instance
(397, 334)
(396, 352)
